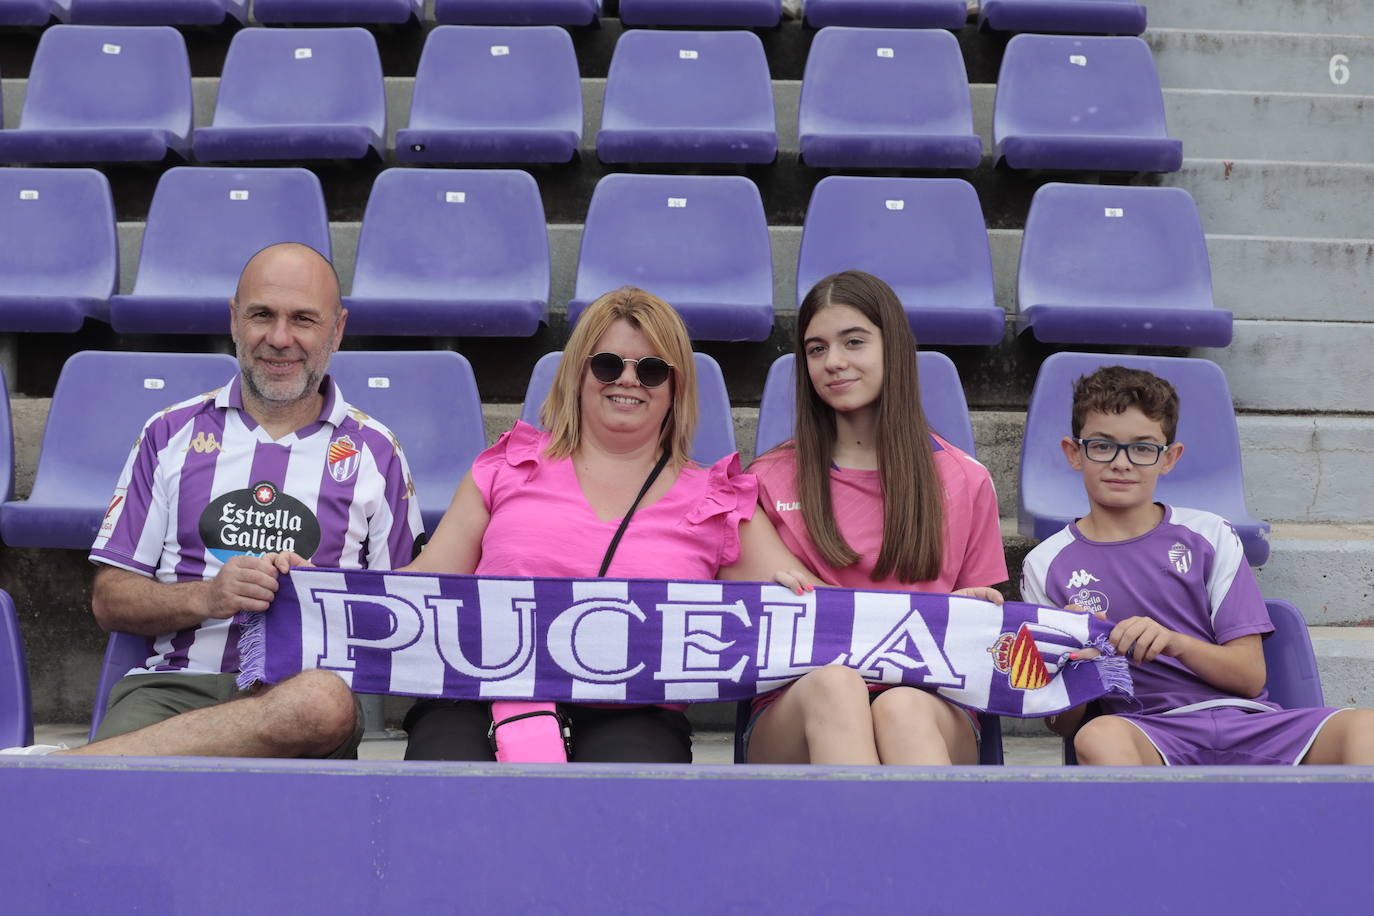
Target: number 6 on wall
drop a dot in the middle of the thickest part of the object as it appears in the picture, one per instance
(1338, 69)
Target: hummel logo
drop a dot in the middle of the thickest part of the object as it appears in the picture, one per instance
(1081, 579)
(786, 507)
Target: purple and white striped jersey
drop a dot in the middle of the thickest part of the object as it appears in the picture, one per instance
(204, 482)
(1188, 573)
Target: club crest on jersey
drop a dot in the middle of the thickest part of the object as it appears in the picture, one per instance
(1181, 557)
(343, 458)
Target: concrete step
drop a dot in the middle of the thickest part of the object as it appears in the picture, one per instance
(1270, 61)
(1327, 17)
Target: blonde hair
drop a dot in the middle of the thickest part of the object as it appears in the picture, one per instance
(561, 413)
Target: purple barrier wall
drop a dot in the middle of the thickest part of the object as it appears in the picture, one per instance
(211, 836)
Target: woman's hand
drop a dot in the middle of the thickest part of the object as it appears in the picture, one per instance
(982, 593)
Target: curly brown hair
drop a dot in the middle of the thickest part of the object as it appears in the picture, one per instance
(1116, 389)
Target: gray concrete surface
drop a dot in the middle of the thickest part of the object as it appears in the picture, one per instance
(1347, 17)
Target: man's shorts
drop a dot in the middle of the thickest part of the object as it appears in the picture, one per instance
(140, 700)
(1231, 736)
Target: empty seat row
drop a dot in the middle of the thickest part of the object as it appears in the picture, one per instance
(466, 253)
(1117, 17)
(871, 98)
(430, 401)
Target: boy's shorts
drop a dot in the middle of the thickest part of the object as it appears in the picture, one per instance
(140, 700)
(1231, 736)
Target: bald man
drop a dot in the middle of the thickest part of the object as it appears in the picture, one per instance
(220, 494)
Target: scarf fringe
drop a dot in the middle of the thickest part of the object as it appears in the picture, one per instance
(252, 648)
(1113, 669)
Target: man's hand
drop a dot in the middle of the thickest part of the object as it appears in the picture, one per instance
(243, 584)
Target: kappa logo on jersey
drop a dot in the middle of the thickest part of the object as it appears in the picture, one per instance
(257, 520)
(205, 443)
(1080, 579)
(1181, 557)
(343, 458)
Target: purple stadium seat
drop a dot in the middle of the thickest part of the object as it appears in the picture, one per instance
(297, 94)
(942, 400)
(451, 252)
(16, 712)
(150, 12)
(101, 402)
(698, 241)
(887, 98)
(429, 400)
(1292, 678)
(529, 108)
(517, 12)
(1108, 17)
(59, 258)
(738, 13)
(386, 11)
(688, 97)
(25, 12)
(1081, 103)
(1209, 477)
(715, 435)
(924, 237)
(123, 653)
(887, 14)
(104, 94)
(6, 444)
(1117, 265)
(203, 226)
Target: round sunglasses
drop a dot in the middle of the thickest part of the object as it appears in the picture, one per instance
(608, 367)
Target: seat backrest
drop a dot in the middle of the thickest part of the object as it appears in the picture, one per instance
(429, 401)
(684, 238)
(151, 12)
(688, 80)
(1079, 86)
(123, 652)
(528, 77)
(715, 435)
(885, 81)
(371, 11)
(6, 444)
(57, 234)
(302, 76)
(924, 237)
(1209, 476)
(1109, 245)
(517, 12)
(205, 223)
(109, 76)
(101, 401)
(475, 235)
(1293, 679)
(25, 12)
(737, 13)
(942, 400)
(16, 713)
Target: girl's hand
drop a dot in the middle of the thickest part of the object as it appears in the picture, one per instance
(798, 581)
(982, 593)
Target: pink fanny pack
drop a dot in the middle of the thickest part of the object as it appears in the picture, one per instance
(525, 732)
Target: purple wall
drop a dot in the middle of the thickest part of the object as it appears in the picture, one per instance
(184, 836)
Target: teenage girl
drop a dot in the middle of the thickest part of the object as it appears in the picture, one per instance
(867, 496)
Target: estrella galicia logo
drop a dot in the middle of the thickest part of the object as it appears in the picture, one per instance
(257, 520)
(1091, 600)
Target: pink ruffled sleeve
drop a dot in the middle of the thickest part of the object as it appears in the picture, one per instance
(730, 498)
(508, 464)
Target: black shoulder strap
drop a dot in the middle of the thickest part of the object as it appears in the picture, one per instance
(624, 522)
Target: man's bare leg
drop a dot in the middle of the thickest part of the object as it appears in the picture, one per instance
(307, 716)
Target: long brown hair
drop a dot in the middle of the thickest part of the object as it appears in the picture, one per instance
(561, 412)
(913, 497)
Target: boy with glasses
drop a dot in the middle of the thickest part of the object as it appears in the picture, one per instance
(1187, 610)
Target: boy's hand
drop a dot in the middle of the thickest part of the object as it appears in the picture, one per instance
(1142, 639)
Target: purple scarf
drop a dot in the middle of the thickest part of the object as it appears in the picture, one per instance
(647, 641)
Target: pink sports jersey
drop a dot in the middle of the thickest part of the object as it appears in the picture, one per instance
(1188, 573)
(535, 501)
(973, 541)
(204, 482)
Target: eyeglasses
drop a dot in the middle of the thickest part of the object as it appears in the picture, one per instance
(1141, 454)
(651, 371)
